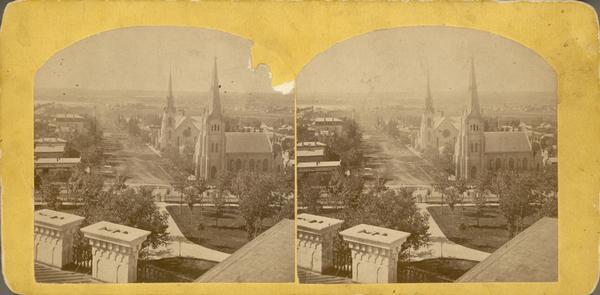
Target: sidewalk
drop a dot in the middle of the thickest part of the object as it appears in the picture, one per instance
(181, 246)
(442, 246)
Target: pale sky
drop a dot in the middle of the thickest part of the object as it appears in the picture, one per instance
(396, 60)
(139, 58)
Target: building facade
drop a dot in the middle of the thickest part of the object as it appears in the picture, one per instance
(436, 131)
(178, 132)
(217, 150)
(477, 150)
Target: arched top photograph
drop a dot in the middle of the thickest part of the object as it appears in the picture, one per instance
(134, 129)
(437, 143)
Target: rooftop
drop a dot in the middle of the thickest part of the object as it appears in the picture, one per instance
(531, 256)
(58, 161)
(327, 119)
(503, 142)
(319, 164)
(268, 258)
(247, 142)
(49, 149)
(69, 117)
(311, 153)
(311, 144)
(50, 140)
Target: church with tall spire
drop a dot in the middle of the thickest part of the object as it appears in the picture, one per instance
(206, 142)
(477, 150)
(436, 132)
(178, 132)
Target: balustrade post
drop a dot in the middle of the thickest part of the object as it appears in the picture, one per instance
(115, 250)
(315, 241)
(53, 236)
(374, 253)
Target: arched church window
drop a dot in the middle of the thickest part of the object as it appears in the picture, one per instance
(265, 165)
(251, 165)
(511, 164)
(238, 165)
(498, 163)
(217, 147)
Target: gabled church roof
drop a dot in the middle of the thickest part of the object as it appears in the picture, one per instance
(506, 142)
(247, 142)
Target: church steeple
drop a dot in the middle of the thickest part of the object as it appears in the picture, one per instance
(214, 103)
(428, 98)
(170, 98)
(473, 100)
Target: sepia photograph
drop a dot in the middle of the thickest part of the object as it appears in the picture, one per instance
(162, 155)
(424, 155)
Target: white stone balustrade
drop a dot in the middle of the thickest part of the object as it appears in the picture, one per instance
(374, 252)
(115, 250)
(315, 241)
(53, 236)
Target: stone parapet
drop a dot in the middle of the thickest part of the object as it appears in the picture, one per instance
(53, 236)
(115, 250)
(315, 241)
(374, 252)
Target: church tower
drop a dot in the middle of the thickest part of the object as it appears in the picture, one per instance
(470, 146)
(427, 135)
(167, 128)
(210, 149)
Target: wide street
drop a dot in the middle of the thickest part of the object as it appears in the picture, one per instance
(130, 157)
(393, 160)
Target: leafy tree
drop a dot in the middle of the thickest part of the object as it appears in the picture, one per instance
(482, 189)
(200, 186)
(224, 179)
(179, 185)
(50, 193)
(308, 196)
(130, 207)
(84, 183)
(547, 189)
(190, 193)
(517, 196)
(256, 197)
(345, 190)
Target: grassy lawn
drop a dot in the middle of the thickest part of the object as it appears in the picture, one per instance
(488, 236)
(190, 268)
(226, 236)
(450, 268)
